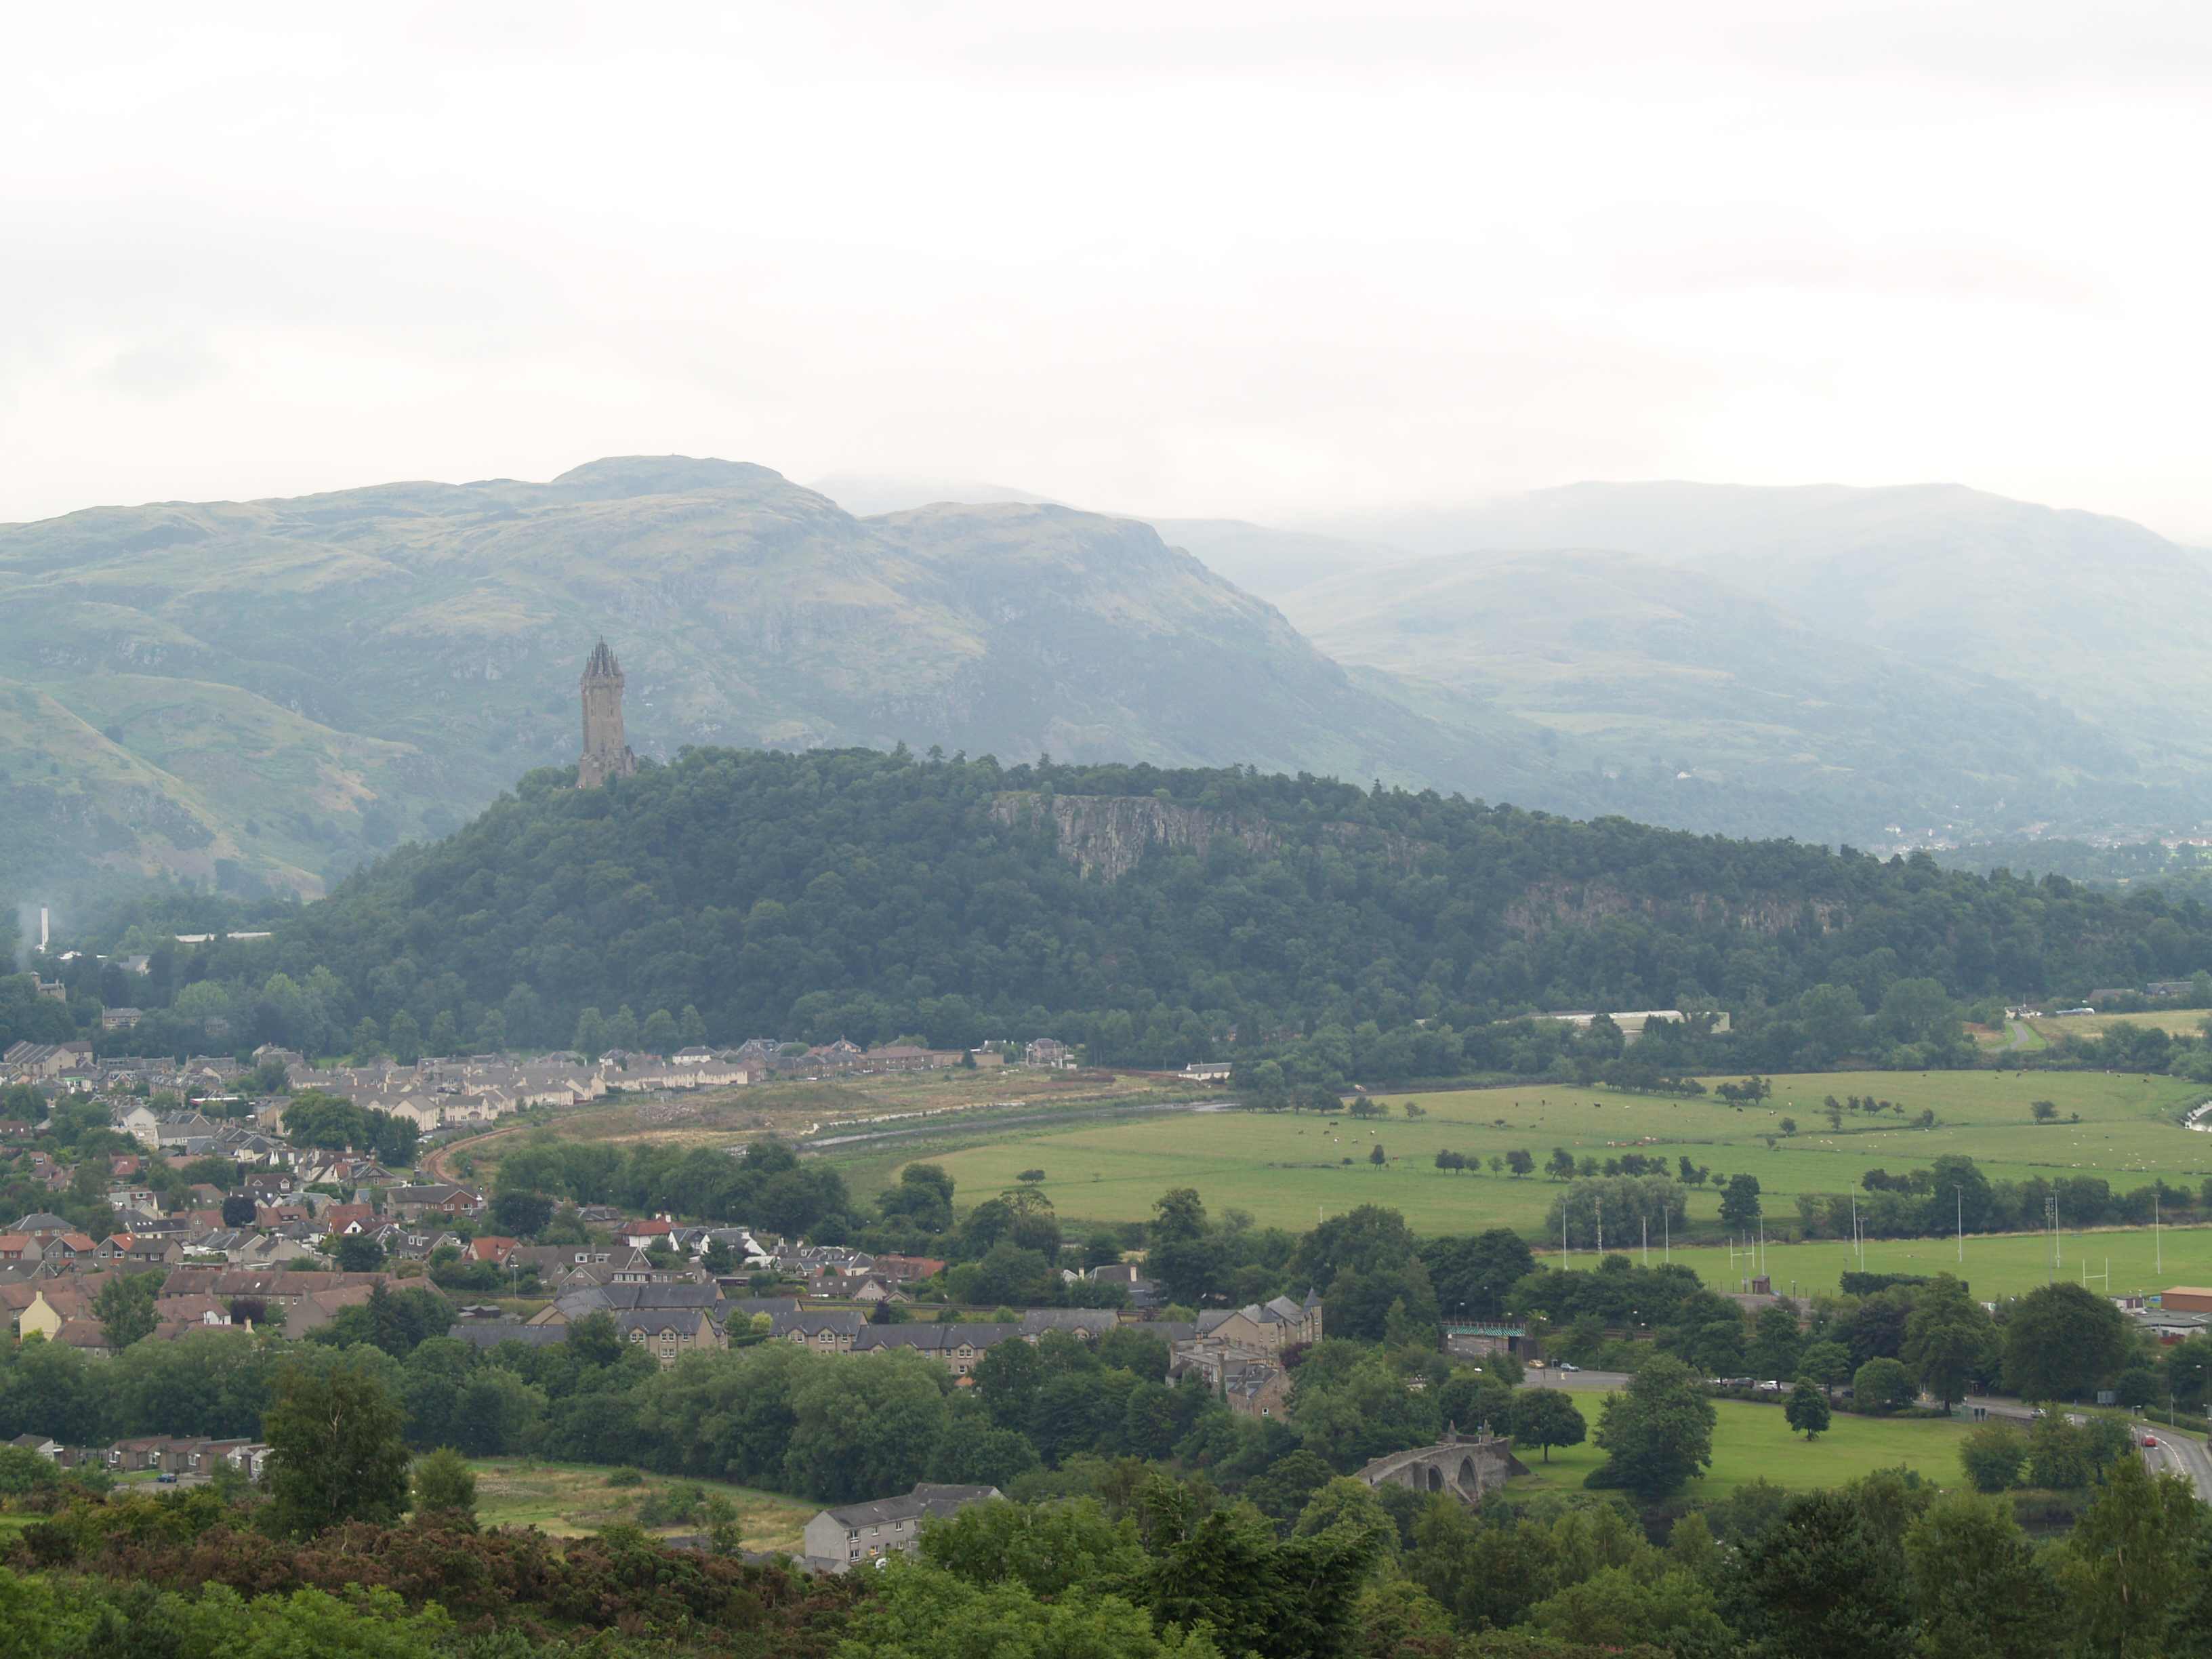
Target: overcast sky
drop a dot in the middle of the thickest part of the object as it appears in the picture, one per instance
(1268, 260)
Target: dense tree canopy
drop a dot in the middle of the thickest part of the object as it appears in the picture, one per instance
(878, 895)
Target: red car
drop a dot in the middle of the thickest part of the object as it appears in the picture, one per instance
(2150, 1440)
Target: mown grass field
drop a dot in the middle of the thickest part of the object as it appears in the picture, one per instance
(1994, 1266)
(1753, 1443)
(569, 1500)
(2177, 1021)
(729, 1117)
(1290, 1169)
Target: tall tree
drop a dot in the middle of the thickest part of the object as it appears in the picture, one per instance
(1658, 1432)
(2130, 1561)
(1946, 1338)
(336, 1449)
(1826, 1586)
(1546, 1417)
(1808, 1411)
(2061, 1341)
(1978, 1589)
(125, 1307)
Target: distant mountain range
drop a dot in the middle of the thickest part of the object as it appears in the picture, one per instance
(262, 694)
(1821, 661)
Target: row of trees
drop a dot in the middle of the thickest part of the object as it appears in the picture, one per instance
(1952, 1192)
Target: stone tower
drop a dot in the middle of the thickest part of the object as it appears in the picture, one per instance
(605, 754)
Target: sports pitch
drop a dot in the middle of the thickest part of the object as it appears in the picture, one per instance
(1292, 1170)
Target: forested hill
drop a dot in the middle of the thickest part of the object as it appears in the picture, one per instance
(1147, 911)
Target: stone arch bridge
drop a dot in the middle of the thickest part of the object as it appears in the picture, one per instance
(1470, 1467)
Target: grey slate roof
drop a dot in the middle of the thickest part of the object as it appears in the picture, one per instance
(490, 1333)
(937, 1338)
(843, 1321)
(1077, 1321)
(923, 1499)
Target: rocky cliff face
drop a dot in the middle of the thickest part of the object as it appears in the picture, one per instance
(1550, 905)
(1106, 835)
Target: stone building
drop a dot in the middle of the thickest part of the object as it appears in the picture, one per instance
(606, 754)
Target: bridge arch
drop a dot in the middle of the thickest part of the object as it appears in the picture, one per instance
(1469, 1468)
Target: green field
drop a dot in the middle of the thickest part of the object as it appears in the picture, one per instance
(1994, 1266)
(1289, 1170)
(1753, 1443)
(568, 1500)
(2179, 1022)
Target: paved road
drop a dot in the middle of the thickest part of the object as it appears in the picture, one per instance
(2178, 1454)
(1552, 1377)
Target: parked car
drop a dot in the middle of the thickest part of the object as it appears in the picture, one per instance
(1769, 1387)
(1569, 1366)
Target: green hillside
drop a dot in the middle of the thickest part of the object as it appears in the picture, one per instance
(1149, 912)
(280, 688)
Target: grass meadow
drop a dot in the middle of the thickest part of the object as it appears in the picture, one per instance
(1753, 1443)
(570, 1500)
(2178, 1022)
(1292, 1170)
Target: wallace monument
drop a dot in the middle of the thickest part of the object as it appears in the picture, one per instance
(605, 754)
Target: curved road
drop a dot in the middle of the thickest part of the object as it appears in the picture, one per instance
(2178, 1454)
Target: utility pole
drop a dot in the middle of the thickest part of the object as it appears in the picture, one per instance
(1599, 1202)
(1647, 1241)
(2157, 1239)
(1667, 1234)
(1958, 1193)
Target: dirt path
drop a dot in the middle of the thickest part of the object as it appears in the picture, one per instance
(434, 1165)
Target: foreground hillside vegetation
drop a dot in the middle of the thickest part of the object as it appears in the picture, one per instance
(1145, 1518)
